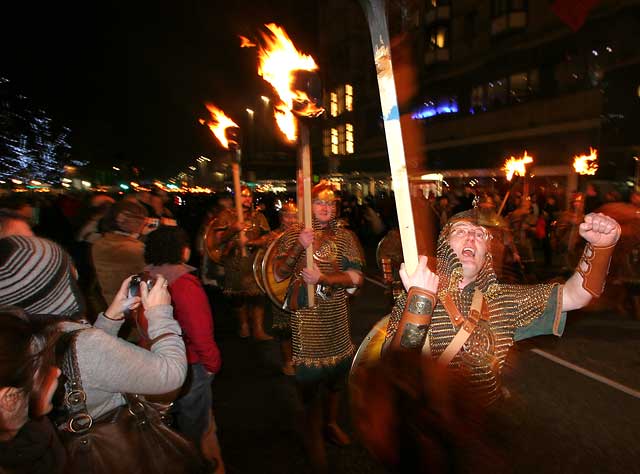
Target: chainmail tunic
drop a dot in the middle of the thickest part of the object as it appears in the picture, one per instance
(510, 307)
(321, 335)
(238, 279)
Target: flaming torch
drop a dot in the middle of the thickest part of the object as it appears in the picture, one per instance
(226, 131)
(290, 73)
(586, 164)
(514, 166)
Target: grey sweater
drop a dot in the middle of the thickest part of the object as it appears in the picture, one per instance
(110, 366)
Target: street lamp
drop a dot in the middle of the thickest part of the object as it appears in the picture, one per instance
(250, 112)
(265, 99)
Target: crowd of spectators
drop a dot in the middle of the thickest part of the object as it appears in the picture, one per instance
(71, 257)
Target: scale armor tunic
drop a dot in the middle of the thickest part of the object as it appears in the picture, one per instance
(321, 335)
(238, 270)
(514, 312)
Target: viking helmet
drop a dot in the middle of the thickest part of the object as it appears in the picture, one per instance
(245, 191)
(450, 268)
(324, 191)
(289, 207)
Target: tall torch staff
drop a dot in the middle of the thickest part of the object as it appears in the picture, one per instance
(514, 166)
(237, 190)
(583, 165)
(377, 20)
(283, 66)
(305, 161)
(227, 133)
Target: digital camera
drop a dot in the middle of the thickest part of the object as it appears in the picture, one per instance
(134, 284)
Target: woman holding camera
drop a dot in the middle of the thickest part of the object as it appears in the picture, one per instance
(38, 276)
(166, 253)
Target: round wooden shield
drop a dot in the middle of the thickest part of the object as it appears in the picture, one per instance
(212, 247)
(369, 350)
(275, 290)
(390, 247)
(257, 269)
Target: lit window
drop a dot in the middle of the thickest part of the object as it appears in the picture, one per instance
(348, 97)
(334, 104)
(349, 139)
(334, 141)
(342, 140)
(441, 106)
(438, 38)
(341, 99)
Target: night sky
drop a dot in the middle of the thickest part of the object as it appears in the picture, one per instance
(130, 78)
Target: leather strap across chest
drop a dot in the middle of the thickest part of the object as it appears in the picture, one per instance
(466, 326)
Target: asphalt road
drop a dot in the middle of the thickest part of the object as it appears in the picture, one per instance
(564, 415)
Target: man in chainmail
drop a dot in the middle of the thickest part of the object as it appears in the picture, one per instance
(467, 321)
(322, 346)
(239, 283)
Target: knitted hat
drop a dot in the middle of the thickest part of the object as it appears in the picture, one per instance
(38, 276)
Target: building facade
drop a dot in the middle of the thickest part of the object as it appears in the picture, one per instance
(492, 79)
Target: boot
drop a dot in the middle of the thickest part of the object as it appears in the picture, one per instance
(332, 431)
(287, 355)
(257, 321)
(243, 319)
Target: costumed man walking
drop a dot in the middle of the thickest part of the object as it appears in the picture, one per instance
(446, 344)
(239, 283)
(322, 347)
(468, 321)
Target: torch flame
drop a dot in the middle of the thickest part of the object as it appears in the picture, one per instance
(517, 166)
(219, 124)
(246, 42)
(586, 164)
(278, 59)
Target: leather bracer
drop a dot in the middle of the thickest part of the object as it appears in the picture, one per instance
(594, 266)
(415, 320)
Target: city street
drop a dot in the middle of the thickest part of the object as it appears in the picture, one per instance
(575, 400)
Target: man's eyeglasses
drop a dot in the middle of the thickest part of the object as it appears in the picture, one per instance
(461, 232)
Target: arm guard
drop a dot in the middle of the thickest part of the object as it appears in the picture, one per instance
(593, 267)
(415, 320)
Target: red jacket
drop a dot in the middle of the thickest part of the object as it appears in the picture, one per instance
(192, 311)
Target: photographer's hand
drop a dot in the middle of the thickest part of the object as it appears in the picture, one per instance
(122, 302)
(157, 296)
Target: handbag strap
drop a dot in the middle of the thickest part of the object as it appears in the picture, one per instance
(75, 399)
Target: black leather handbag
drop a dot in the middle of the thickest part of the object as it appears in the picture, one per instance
(133, 438)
